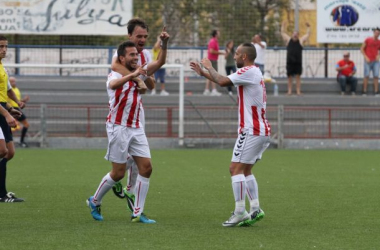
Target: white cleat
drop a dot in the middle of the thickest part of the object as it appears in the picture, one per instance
(236, 219)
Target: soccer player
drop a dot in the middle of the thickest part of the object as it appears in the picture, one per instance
(5, 122)
(138, 33)
(22, 118)
(253, 130)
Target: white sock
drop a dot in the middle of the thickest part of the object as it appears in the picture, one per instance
(133, 171)
(141, 190)
(238, 186)
(105, 185)
(252, 192)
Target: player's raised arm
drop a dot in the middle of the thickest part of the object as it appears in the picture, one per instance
(156, 65)
(285, 36)
(306, 36)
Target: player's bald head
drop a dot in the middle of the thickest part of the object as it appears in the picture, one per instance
(248, 49)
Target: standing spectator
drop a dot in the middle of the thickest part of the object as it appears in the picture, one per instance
(230, 61)
(213, 54)
(370, 50)
(22, 118)
(294, 47)
(159, 74)
(346, 71)
(260, 50)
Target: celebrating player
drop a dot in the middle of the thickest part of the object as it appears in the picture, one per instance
(254, 130)
(125, 131)
(138, 33)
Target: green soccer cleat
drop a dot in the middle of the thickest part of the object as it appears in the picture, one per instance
(253, 218)
(130, 199)
(118, 190)
(142, 219)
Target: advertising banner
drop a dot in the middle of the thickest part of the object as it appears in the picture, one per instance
(65, 17)
(346, 21)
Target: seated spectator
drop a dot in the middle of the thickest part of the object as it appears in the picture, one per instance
(346, 71)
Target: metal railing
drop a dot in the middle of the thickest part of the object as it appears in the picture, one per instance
(286, 122)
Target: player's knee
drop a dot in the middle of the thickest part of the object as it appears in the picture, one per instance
(146, 171)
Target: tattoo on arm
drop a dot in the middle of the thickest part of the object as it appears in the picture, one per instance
(215, 75)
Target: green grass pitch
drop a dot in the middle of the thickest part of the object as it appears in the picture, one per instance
(312, 200)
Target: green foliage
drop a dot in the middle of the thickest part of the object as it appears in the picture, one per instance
(312, 200)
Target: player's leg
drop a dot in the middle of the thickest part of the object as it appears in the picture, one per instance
(139, 149)
(24, 130)
(238, 182)
(95, 201)
(6, 196)
(253, 150)
(3, 169)
(131, 183)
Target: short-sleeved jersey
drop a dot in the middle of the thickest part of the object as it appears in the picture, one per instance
(4, 84)
(252, 100)
(372, 48)
(125, 104)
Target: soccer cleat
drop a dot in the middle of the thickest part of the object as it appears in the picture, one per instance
(236, 219)
(142, 219)
(118, 190)
(253, 218)
(130, 199)
(10, 197)
(95, 210)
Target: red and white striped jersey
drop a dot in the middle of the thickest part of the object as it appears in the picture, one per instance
(125, 104)
(252, 100)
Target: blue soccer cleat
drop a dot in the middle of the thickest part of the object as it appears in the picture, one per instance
(142, 219)
(95, 210)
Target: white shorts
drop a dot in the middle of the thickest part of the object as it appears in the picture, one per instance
(249, 148)
(1, 135)
(123, 141)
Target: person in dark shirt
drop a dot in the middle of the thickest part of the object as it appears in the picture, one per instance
(294, 47)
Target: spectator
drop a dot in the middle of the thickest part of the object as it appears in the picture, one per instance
(22, 118)
(294, 47)
(230, 61)
(346, 71)
(159, 74)
(260, 51)
(213, 54)
(370, 50)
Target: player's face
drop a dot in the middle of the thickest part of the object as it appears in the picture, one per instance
(239, 58)
(3, 48)
(139, 37)
(295, 35)
(131, 58)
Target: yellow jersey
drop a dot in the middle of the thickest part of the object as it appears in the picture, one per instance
(4, 84)
(18, 95)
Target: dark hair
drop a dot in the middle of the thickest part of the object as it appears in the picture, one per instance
(233, 47)
(121, 48)
(214, 32)
(131, 25)
(250, 50)
(3, 38)
(377, 28)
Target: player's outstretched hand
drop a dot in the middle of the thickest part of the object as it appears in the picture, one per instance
(140, 71)
(206, 63)
(196, 67)
(307, 24)
(164, 36)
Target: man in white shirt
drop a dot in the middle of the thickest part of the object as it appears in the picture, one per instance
(253, 130)
(260, 51)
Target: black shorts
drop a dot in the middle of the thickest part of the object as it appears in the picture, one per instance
(293, 69)
(22, 117)
(5, 127)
